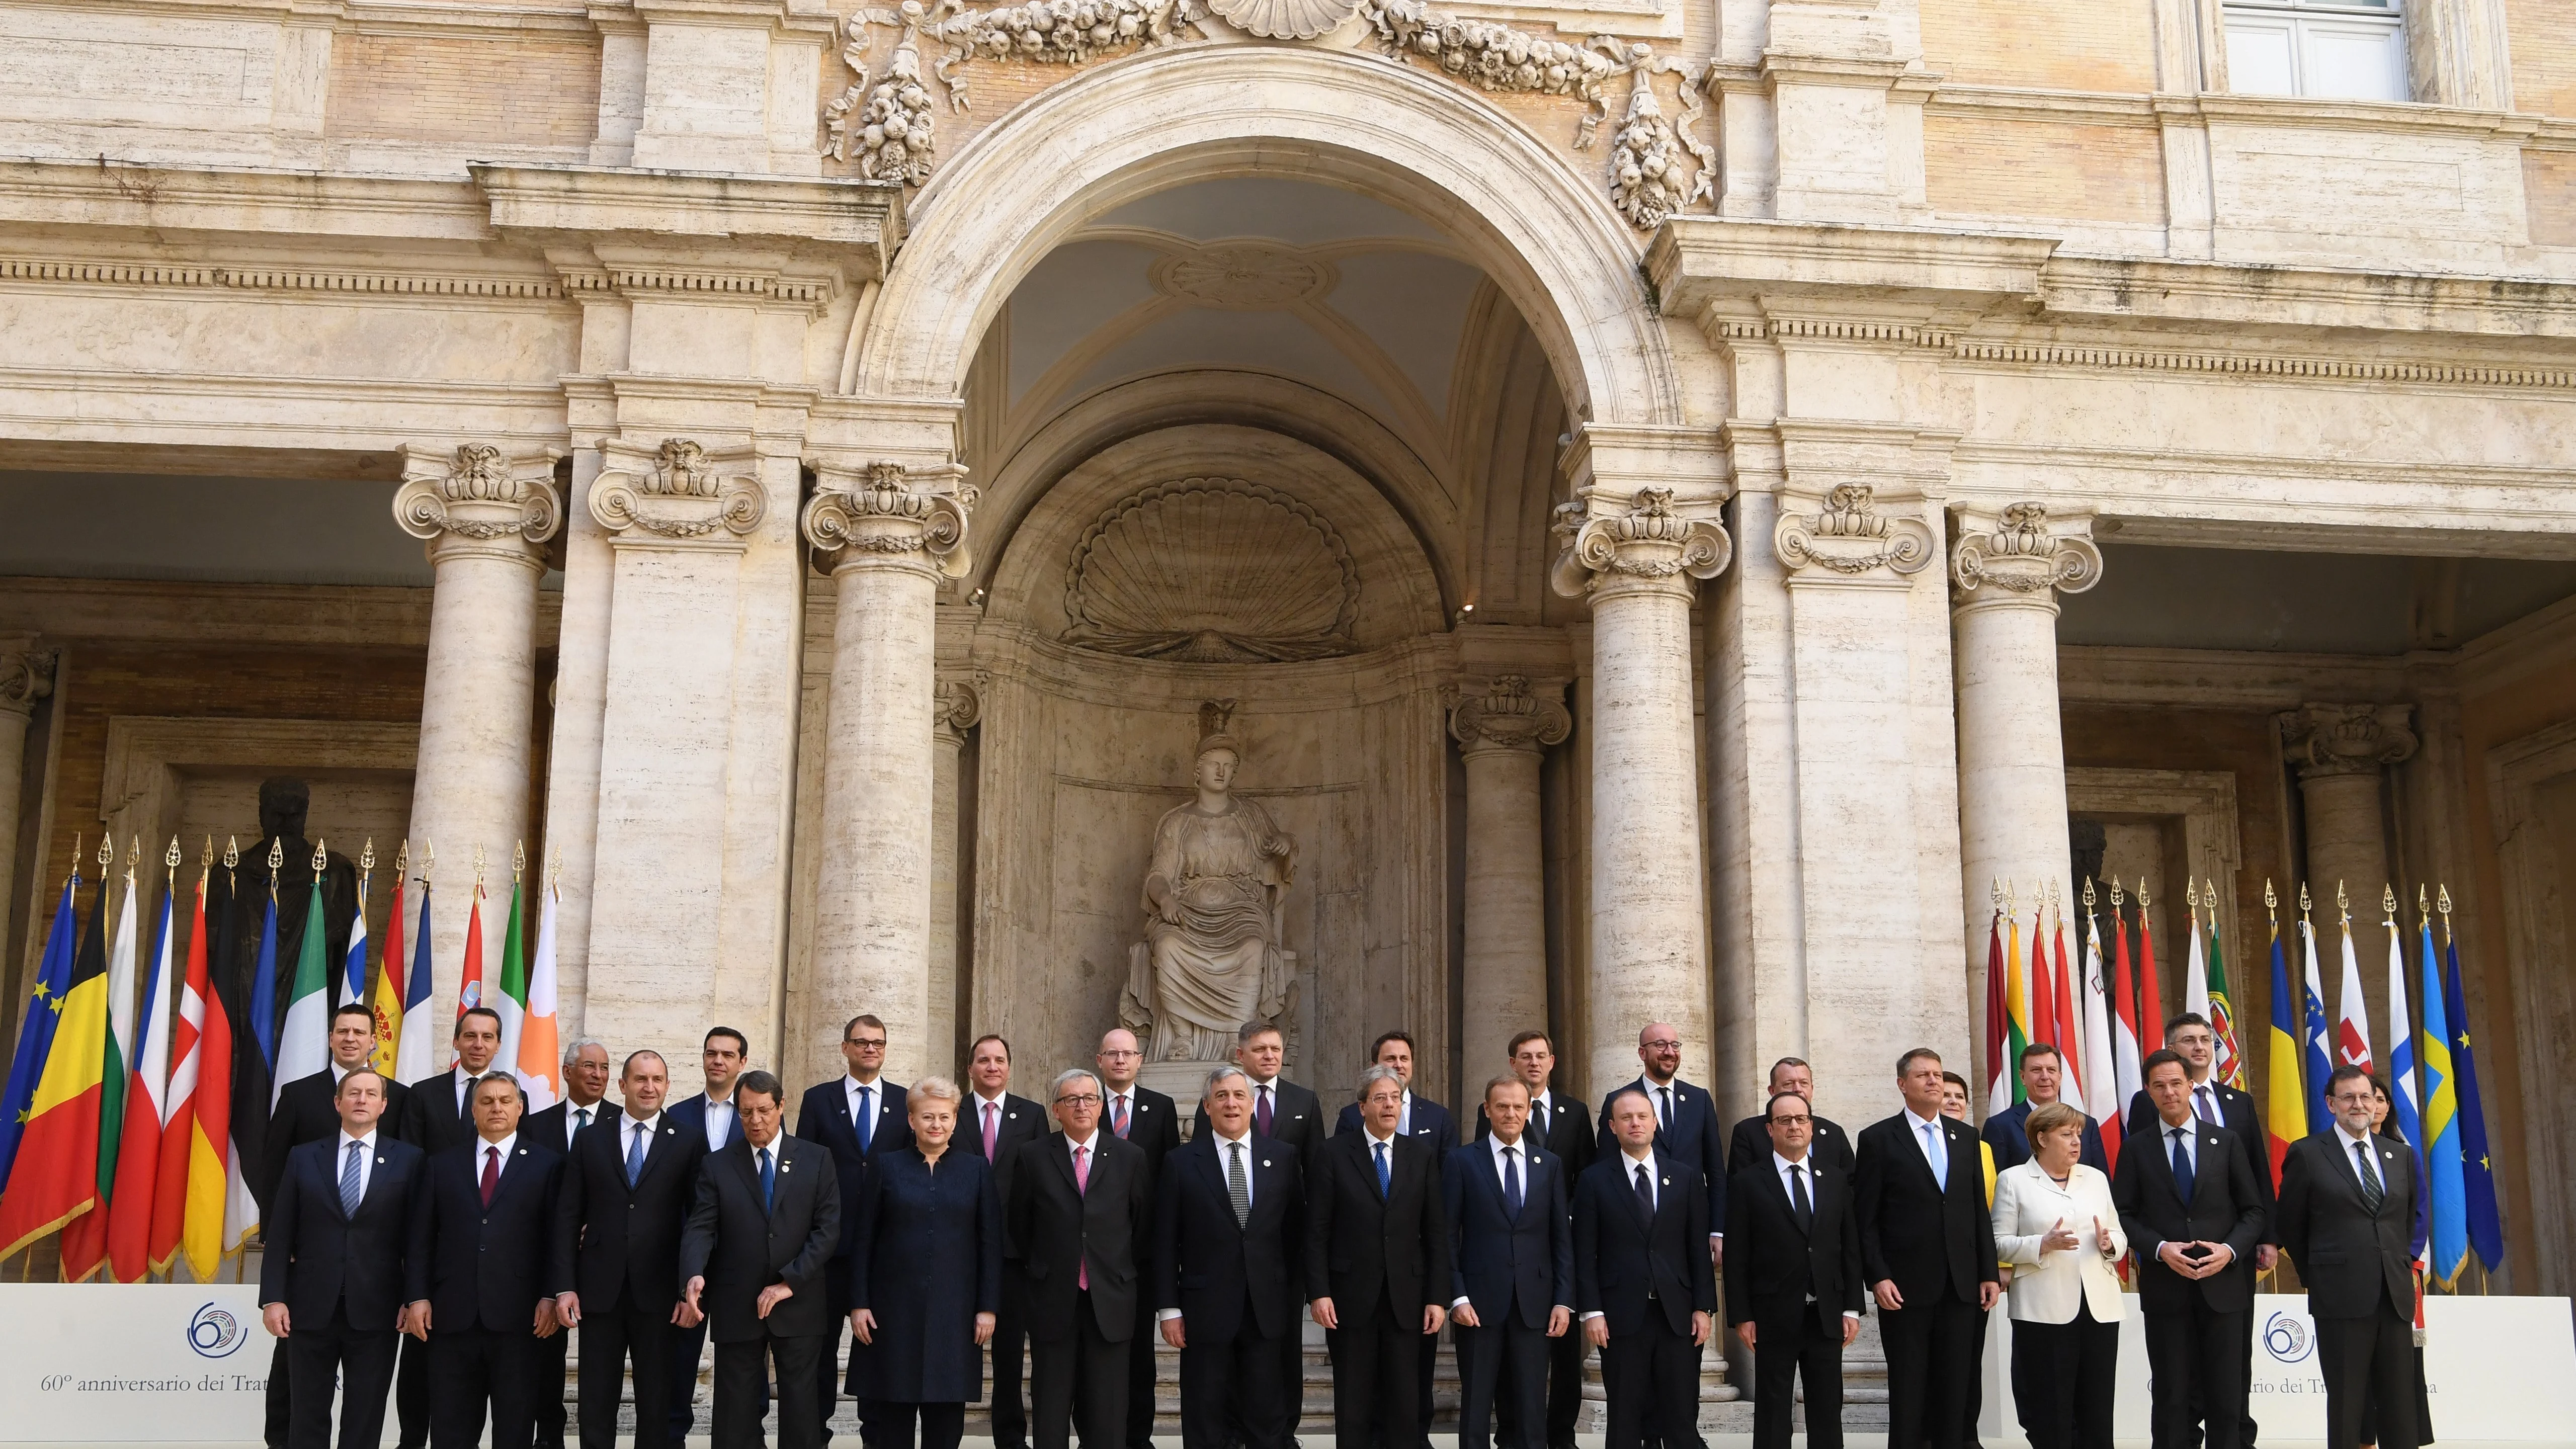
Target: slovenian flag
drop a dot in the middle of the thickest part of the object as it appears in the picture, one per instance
(2312, 1001)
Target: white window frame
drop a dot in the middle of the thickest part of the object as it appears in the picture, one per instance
(2301, 22)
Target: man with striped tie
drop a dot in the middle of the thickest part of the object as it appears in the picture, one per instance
(1229, 1267)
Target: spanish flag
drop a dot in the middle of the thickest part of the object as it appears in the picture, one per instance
(55, 1178)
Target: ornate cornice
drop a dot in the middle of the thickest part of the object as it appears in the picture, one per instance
(2347, 739)
(1847, 535)
(677, 495)
(474, 497)
(894, 514)
(26, 675)
(2019, 552)
(137, 272)
(1509, 715)
(1645, 542)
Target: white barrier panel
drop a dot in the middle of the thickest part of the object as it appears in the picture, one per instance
(111, 1363)
(2495, 1369)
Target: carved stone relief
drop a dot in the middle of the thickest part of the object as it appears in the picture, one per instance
(1850, 536)
(1212, 570)
(677, 494)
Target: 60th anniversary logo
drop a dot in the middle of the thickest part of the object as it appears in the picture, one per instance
(213, 1331)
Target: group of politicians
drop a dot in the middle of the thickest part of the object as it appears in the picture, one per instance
(434, 1241)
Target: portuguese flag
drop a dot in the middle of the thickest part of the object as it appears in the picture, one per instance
(55, 1177)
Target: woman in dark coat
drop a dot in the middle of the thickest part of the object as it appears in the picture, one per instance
(925, 1278)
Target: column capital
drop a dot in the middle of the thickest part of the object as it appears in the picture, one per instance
(893, 514)
(1636, 541)
(26, 675)
(2347, 739)
(2023, 551)
(1849, 537)
(956, 704)
(1507, 714)
(475, 498)
(677, 493)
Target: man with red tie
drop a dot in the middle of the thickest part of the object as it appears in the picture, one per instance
(477, 1274)
(1152, 1121)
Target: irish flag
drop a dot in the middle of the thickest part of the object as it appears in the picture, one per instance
(304, 1043)
(512, 999)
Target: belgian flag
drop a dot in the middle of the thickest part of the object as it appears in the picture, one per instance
(55, 1177)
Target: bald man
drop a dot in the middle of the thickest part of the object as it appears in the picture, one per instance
(1153, 1122)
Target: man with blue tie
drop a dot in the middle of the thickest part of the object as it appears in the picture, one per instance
(854, 1118)
(721, 1056)
(1427, 1122)
(1512, 1265)
(1377, 1261)
(1927, 1247)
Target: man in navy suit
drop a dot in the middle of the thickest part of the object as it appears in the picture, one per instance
(1686, 1127)
(476, 1274)
(435, 1115)
(1427, 1122)
(721, 1056)
(331, 1282)
(1927, 1245)
(993, 1124)
(1292, 1116)
(1795, 1293)
(1138, 1114)
(855, 1117)
(1229, 1264)
(2043, 1072)
(1512, 1265)
(1563, 1126)
(1642, 1277)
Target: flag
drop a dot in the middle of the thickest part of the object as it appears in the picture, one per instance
(2285, 1117)
(54, 1179)
(512, 999)
(2319, 1062)
(2485, 1225)
(36, 1027)
(304, 1043)
(254, 1035)
(540, 1064)
(411, 1058)
(2125, 1057)
(84, 1244)
(2070, 1034)
(2043, 990)
(2443, 1171)
(2222, 1007)
(187, 1059)
(2195, 971)
(210, 1165)
(147, 1095)
(2405, 1098)
(388, 998)
(2151, 1003)
(1998, 1019)
(353, 983)
(2017, 1005)
(2352, 1031)
(2101, 1078)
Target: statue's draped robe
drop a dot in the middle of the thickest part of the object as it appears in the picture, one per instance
(1218, 964)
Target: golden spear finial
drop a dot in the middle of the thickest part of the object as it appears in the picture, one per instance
(428, 860)
(206, 860)
(133, 855)
(2010, 905)
(232, 852)
(2343, 903)
(2423, 907)
(478, 869)
(2088, 895)
(2388, 903)
(367, 857)
(2191, 895)
(321, 859)
(106, 854)
(2118, 897)
(2445, 899)
(518, 862)
(173, 856)
(402, 860)
(2142, 894)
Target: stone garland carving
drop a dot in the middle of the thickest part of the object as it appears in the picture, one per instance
(677, 496)
(1850, 536)
(476, 493)
(25, 677)
(1212, 570)
(1649, 179)
(2347, 739)
(2021, 555)
(1648, 541)
(1509, 716)
(892, 516)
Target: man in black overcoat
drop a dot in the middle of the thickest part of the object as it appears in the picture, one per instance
(2192, 1213)
(1643, 1282)
(855, 1116)
(1293, 1116)
(1927, 1246)
(994, 1123)
(1377, 1263)
(477, 1275)
(2347, 1215)
(1137, 1113)
(1795, 1294)
(1229, 1265)
(1080, 1214)
(586, 1074)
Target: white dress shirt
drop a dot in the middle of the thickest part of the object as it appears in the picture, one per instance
(850, 1089)
(1628, 1175)
(2190, 1139)
(1541, 1103)
(1224, 1148)
(483, 1153)
(1521, 1149)
(2346, 1142)
(465, 1081)
(651, 1127)
(1806, 1167)
(1915, 1125)
(366, 1160)
(719, 1122)
(1109, 1109)
(2204, 1093)
(574, 1112)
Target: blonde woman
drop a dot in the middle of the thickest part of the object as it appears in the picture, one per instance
(925, 1278)
(2055, 1224)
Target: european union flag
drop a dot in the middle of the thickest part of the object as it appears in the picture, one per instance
(36, 1028)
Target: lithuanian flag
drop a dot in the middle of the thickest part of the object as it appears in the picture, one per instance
(55, 1177)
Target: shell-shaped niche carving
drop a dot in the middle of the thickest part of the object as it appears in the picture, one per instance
(1212, 570)
(1285, 19)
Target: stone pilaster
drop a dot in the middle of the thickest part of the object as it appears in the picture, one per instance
(485, 515)
(957, 703)
(2341, 752)
(1502, 729)
(894, 532)
(26, 676)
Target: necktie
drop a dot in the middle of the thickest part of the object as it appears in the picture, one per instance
(992, 1131)
(768, 1181)
(581, 1117)
(1382, 1179)
(465, 1094)
(1118, 1114)
(1538, 1119)
(2182, 1170)
(1261, 1113)
(634, 1154)
(1237, 1186)
(1936, 1152)
(1799, 1202)
(349, 1180)
(865, 1119)
(1082, 1187)
(1666, 1093)
(2373, 1193)
(491, 1171)
(2208, 1110)
(1645, 1193)
(1511, 1182)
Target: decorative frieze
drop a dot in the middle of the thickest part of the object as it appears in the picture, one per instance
(1848, 535)
(1646, 541)
(678, 494)
(2021, 551)
(475, 495)
(1509, 715)
(894, 513)
(2347, 739)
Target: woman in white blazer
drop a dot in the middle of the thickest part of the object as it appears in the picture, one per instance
(2055, 1226)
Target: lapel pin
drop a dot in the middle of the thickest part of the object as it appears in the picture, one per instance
(1265, 1162)
(1668, 1182)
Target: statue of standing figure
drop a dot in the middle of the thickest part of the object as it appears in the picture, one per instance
(1212, 957)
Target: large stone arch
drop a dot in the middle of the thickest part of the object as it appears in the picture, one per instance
(1164, 118)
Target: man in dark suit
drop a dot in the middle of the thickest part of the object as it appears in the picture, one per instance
(854, 1117)
(2190, 1036)
(331, 1280)
(1643, 1282)
(1229, 1268)
(586, 1071)
(435, 1117)
(2347, 1211)
(2188, 1203)
(626, 1196)
(477, 1274)
(753, 1260)
(1563, 1126)
(1795, 1293)
(1081, 1214)
(308, 1111)
(1292, 1116)
(1511, 1254)
(1152, 1121)
(1927, 1247)
(1426, 1121)
(1686, 1127)
(994, 1124)
(1750, 1143)
(2043, 1071)
(1377, 1261)
(722, 1054)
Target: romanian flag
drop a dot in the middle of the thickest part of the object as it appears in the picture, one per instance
(2486, 1226)
(2285, 1116)
(36, 1027)
(540, 1064)
(2017, 1010)
(55, 1177)
(387, 1000)
(84, 1242)
(2443, 1171)
(1998, 1020)
(2222, 1006)
(147, 1097)
(2151, 1001)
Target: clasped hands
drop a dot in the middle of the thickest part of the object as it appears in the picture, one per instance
(2176, 1256)
(689, 1315)
(415, 1319)
(1433, 1315)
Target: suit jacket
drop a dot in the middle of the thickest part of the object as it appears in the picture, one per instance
(1154, 1125)
(1430, 1125)
(308, 1111)
(691, 1114)
(1359, 1244)
(1568, 1135)
(1930, 1237)
(2047, 1286)
(1774, 1266)
(430, 1117)
(1208, 1266)
(2008, 1133)
(1627, 1266)
(1750, 1145)
(1022, 1122)
(2226, 1207)
(1296, 1118)
(484, 1266)
(2348, 1255)
(823, 1118)
(1499, 1259)
(547, 1126)
(319, 1255)
(1065, 1232)
(612, 1239)
(2235, 1113)
(742, 1245)
(1692, 1140)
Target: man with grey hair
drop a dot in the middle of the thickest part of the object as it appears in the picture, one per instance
(585, 1078)
(1229, 1261)
(1078, 1212)
(1377, 1260)
(1292, 1116)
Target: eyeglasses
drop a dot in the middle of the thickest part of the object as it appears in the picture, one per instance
(865, 1043)
(1793, 1121)
(1122, 1055)
(1661, 1046)
(1086, 1099)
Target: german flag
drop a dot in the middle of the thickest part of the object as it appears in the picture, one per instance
(55, 1178)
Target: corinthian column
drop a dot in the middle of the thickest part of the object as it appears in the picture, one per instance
(955, 706)
(1635, 557)
(2341, 751)
(485, 516)
(1501, 734)
(894, 533)
(2006, 571)
(26, 675)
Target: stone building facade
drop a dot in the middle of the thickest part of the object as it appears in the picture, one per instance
(1678, 498)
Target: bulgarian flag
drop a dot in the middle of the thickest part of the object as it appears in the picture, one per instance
(512, 999)
(388, 998)
(540, 1064)
(2222, 1005)
(54, 1179)
(85, 1242)
(2017, 1007)
(2151, 1003)
(138, 1159)
(2285, 1117)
